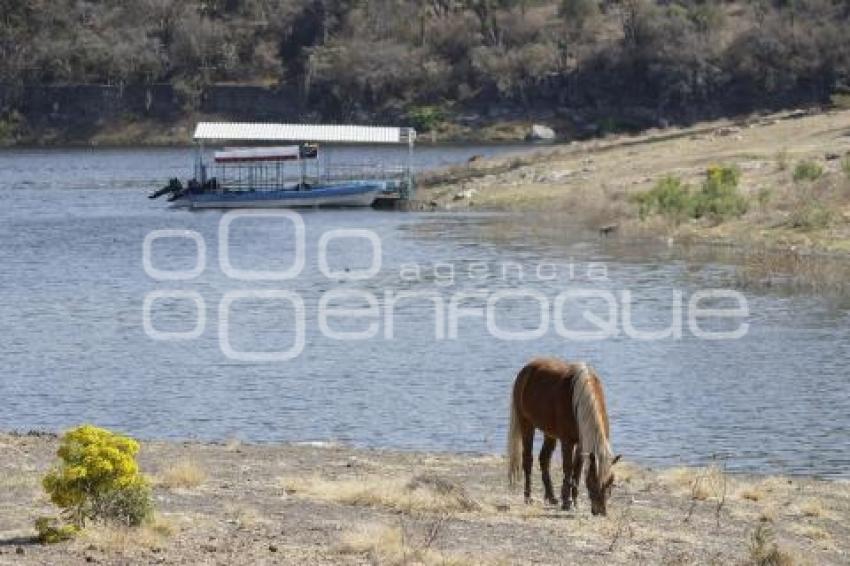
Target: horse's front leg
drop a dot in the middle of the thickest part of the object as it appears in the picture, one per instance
(578, 464)
(571, 457)
(545, 459)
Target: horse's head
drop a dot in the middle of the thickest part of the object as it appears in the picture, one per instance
(600, 483)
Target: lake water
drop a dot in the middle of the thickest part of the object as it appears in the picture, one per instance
(75, 349)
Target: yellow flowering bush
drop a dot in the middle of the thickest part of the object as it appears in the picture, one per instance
(98, 478)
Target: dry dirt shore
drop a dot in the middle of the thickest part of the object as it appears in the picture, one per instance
(235, 503)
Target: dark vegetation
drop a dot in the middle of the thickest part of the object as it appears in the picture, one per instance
(594, 65)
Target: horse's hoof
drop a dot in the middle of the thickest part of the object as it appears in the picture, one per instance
(528, 500)
(566, 506)
(551, 501)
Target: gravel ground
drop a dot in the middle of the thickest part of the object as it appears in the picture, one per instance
(235, 503)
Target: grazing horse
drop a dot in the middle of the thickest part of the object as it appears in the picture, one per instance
(565, 401)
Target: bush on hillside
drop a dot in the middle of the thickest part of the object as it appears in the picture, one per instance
(718, 198)
(669, 197)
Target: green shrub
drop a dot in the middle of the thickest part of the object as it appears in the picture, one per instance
(426, 118)
(98, 478)
(669, 197)
(51, 530)
(845, 165)
(807, 171)
(718, 197)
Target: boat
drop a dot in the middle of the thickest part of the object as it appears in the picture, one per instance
(285, 176)
(257, 178)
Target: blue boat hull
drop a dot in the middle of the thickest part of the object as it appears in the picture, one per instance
(357, 193)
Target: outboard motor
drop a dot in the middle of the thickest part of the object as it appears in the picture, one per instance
(174, 186)
(177, 194)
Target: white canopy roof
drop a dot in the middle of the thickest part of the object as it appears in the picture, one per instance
(247, 131)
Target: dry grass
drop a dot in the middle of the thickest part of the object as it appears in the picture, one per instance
(626, 472)
(121, 539)
(751, 493)
(389, 545)
(23, 481)
(761, 490)
(768, 514)
(763, 550)
(414, 494)
(702, 483)
(782, 159)
(243, 516)
(814, 508)
(712, 484)
(524, 511)
(183, 475)
(794, 271)
(812, 532)
(678, 477)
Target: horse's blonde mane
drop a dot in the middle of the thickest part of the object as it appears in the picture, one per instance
(588, 413)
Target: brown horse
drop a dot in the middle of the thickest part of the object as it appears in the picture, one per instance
(565, 401)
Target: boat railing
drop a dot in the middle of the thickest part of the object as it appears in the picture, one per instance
(277, 176)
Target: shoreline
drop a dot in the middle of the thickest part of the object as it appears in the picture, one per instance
(595, 181)
(396, 452)
(280, 503)
(794, 233)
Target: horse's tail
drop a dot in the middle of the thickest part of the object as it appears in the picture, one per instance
(514, 442)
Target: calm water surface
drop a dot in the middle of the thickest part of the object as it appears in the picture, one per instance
(72, 287)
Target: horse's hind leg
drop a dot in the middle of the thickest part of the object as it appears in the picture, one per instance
(527, 456)
(545, 459)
